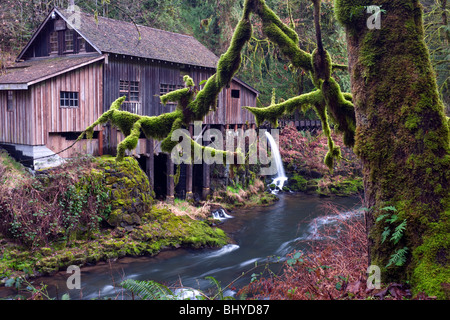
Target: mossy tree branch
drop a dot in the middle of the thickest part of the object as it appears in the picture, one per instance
(327, 99)
(192, 105)
(195, 105)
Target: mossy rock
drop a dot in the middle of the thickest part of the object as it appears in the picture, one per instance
(297, 183)
(130, 192)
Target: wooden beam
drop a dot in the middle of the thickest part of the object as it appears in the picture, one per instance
(189, 172)
(170, 197)
(150, 163)
(206, 175)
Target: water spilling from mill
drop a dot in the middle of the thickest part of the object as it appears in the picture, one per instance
(280, 178)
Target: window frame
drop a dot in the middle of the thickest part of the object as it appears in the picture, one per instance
(69, 39)
(165, 88)
(69, 99)
(235, 93)
(10, 100)
(80, 41)
(131, 89)
(53, 41)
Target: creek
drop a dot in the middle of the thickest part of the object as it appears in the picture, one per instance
(260, 235)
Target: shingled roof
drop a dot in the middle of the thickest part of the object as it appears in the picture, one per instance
(120, 37)
(23, 74)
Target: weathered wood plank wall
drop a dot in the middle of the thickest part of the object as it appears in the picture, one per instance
(151, 74)
(16, 126)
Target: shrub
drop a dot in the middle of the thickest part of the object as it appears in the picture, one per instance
(59, 204)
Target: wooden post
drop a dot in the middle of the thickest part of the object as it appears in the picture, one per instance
(100, 142)
(170, 181)
(150, 163)
(206, 176)
(189, 173)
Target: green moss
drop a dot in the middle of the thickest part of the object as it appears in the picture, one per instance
(161, 229)
(431, 272)
(402, 140)
(130, 192)
(297, 183)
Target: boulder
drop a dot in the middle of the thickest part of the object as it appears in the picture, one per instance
(130, 191)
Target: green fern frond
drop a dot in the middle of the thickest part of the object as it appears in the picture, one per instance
(382, 217)
(219, 289)
(398, 233)
(393, 218)
(398, 258)
(385, 234)
(389, 208)
(148, 290)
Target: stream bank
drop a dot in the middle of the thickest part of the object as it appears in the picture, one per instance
(124, 220)
(262, 238)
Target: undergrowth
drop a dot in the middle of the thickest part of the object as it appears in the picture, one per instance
(61, 204)
(324, 270)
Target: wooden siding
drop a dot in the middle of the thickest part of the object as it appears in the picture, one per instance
(16, 126)
(40, 46)
(51, 117)
(151, 74)
(37, 111)
(56, 143)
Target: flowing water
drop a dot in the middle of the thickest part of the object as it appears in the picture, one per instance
(281, 178)
(260, 235)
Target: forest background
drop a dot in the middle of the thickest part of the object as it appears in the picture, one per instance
(212, 22)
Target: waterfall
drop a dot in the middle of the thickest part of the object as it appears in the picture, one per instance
(281, 178)
(220, 214)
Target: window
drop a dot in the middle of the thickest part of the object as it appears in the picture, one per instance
(235, 93)
(69, 99)
(10, 104)
(81, 44)
(54, 42)
(166, 88)
(68, 40)
(129, 89)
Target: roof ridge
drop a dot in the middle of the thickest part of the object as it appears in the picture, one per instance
(127, 22)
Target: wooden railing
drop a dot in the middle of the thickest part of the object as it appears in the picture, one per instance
(133, 107)
(306, 125)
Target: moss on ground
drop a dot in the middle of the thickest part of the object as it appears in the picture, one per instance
(160, 230)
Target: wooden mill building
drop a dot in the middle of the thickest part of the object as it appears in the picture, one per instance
(73, 68)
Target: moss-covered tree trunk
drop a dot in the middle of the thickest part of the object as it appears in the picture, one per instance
(402, 137)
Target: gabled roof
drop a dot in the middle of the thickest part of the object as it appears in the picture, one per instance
(24, 74)
(119, 37)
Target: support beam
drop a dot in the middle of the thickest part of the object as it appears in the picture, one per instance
(150, 162)
(189, 172)
(170, 181)
(206, 174)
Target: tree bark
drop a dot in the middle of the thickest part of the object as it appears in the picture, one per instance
(402, 138)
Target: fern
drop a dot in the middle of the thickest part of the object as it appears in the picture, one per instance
(219, 289)
(389, 208)
(148, 290)
(393, 218)
(398, 258)
(385, 234)
(398, 233)
(381, 217)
